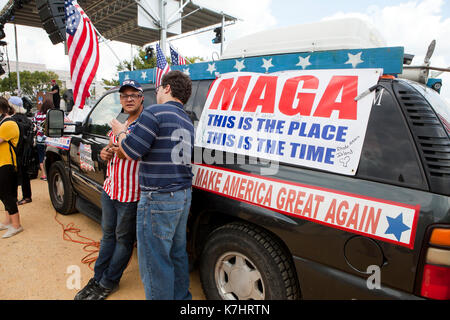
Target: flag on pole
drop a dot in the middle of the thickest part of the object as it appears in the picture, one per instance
(162, 67)
(177, 59)
(82, 45)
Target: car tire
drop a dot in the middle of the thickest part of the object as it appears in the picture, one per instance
(60, 189)
(242, 261)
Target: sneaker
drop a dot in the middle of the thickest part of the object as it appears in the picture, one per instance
(12, 231)
(4, 226)
(87, 290)
(100, 293)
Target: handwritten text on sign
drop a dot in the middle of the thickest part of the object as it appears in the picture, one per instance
(376, 218)
(307, 118)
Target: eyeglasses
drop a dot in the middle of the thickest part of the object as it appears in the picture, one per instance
(132, 96)
(157, 88)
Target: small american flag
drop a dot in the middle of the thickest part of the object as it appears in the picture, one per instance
(82, 44)
(177, 59)
(162, 67)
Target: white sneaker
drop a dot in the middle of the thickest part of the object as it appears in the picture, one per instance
(4, 226)
(12, 231)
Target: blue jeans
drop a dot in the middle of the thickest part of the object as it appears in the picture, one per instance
(116, 246)
(41, 147)
(161, 234)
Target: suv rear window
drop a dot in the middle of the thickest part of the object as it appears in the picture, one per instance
(388, 153)
(439, 105)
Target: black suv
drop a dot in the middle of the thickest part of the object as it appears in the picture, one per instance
(246, 251)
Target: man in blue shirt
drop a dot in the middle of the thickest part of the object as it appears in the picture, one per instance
(163, 140)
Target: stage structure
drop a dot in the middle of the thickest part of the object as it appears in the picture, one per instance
(137, 22)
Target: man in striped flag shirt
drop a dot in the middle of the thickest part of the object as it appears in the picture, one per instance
(119, 205)
(163, 139)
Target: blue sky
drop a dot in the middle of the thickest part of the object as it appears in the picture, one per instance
(409, 23)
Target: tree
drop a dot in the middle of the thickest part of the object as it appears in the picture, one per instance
(110, 83)
(30, 82)
(139, 63)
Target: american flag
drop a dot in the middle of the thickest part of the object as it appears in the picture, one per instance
(162, 67)
(82, 44)
(177, 59)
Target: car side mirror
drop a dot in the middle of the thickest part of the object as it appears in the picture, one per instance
(54, 123)
(55, 127)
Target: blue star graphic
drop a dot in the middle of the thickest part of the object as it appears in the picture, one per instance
(396, 226)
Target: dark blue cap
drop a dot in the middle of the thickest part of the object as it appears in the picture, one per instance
(132, 84)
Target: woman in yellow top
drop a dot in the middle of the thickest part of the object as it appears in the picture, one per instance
(9, 133)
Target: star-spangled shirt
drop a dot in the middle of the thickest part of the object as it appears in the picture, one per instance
(122, 176)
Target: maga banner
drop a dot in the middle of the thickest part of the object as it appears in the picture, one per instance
(309, 118)
(380, 219)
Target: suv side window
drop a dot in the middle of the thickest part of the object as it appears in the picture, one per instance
(106, 109)
(189, 103)
(199, 100)
(149, 97)
(388, 153)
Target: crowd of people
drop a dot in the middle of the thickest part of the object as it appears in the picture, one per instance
(148, 203)
(14, 173)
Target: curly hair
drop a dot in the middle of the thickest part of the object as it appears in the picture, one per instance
(180, 84)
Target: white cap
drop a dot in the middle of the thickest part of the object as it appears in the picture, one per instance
(17, 104)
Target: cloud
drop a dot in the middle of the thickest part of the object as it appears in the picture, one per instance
(32, 49)
(413, 25)
(253, 15)
(35, 46)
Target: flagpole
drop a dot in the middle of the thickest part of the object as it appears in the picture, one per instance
(163, 26)
(132, 60)
(106, 42)
(19, 91)
(222, 32)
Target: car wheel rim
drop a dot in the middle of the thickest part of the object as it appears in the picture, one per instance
(58, 187)
(237, 278)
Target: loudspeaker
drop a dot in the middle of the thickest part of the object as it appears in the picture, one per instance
(53, 18)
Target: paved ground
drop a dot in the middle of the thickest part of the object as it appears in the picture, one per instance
(39, 264)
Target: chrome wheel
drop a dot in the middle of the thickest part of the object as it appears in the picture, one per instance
(58, 187)
(237, 278)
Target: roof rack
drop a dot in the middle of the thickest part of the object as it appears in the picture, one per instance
(390, 59)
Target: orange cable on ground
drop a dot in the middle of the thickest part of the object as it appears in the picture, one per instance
(70, 228)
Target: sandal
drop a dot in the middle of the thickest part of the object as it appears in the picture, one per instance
(23, 201)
